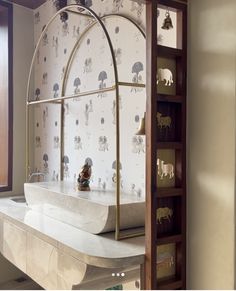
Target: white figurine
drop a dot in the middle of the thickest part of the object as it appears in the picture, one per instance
(164, 170)
(165, 75)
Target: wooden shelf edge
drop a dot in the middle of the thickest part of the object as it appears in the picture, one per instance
(169, 192)
(169, 239)
(169, 284)
(165, 51)
(169, 145)
(169, 98)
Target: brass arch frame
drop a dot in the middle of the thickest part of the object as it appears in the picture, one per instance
(60, 100)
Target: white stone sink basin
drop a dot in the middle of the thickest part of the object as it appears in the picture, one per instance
(93, 211)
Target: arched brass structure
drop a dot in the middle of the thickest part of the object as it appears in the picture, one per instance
(60, 100)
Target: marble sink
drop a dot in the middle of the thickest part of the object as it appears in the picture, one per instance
(93, 211)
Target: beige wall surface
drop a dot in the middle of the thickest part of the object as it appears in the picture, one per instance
(211, 144)
(22, 54)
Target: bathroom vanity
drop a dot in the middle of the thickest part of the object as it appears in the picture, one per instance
(92, 211)
(60, 256)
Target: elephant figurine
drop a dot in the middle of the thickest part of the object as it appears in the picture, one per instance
(165, 75)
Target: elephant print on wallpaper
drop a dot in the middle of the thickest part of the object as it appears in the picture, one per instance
(77, 143)
(117, 4)
(55, 176)
(55, 90)
(101, 185)
(138, 7)
(56, 142)
(45, 78)
(88, 65)
(55, 45)
(45, 37)
(65, 28)
(103, 144)
(138, 144)
(82, 116)
(45, 164)
(65, 161)
(37, 142)
(135, 191)
(88, 109)
(37, 94)
(77, 83)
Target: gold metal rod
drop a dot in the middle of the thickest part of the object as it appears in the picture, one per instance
(76, 46)
(92, 92)
(136, 234)
(78, 13)
(115, 87)
(27, 145)
(62, 140)
(43, 101)
(71, 58)
(117, 84)
(127, 84)
(30, 74)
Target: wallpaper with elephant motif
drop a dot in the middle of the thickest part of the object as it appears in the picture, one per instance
(89, 124)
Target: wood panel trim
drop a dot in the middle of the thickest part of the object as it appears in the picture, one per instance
(151, 138)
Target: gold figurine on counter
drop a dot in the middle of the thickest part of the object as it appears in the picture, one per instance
(84, 178)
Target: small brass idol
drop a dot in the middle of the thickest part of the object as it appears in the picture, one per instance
(84, 178)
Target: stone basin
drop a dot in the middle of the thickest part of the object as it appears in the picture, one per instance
(93, 211)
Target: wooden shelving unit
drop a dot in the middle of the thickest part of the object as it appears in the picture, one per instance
(172, 229)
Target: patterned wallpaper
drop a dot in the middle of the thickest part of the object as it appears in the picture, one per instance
(89, 123)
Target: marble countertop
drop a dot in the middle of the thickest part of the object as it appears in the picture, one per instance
(97, 250)
(99, 196)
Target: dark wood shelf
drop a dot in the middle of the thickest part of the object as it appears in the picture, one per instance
(171, 137)
(169, 98)
(164, 51)
(169, 192)
(169, 239)
(169, 145)
(169, 284)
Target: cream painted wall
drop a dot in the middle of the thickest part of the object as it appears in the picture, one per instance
(22, 50)
(211, 144)
(23, 47)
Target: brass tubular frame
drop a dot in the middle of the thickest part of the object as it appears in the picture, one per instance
(63, 97)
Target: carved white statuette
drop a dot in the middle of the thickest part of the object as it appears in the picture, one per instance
(164, 170)
(165, 75)
(163, 121)
(164, 213)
